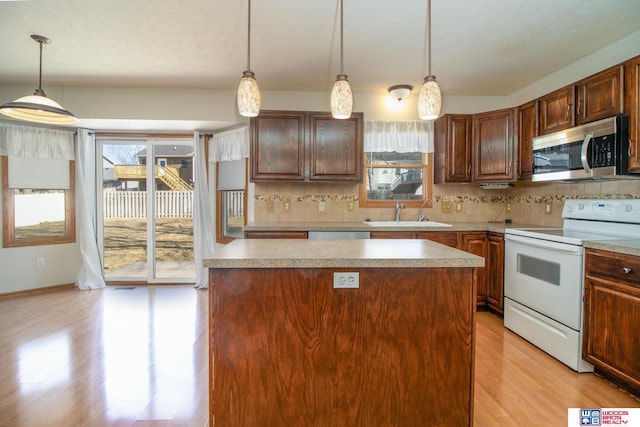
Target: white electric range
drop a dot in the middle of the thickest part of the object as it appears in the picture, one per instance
(544, 272)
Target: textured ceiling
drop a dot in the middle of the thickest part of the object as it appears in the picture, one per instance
(488, 47)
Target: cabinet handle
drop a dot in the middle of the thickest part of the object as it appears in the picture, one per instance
(626, 270)
(579, 110)
(569, 106)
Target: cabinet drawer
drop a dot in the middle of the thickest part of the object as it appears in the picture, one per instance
(449, 238)
(613, 266)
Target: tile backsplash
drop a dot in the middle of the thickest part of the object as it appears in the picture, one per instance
(524, 203)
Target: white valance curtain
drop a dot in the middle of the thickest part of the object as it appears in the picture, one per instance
(229, 145)
(35, 142)
(399, 136)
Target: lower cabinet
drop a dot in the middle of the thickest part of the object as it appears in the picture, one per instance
(612, 316)
(495, 271)
(476, 243)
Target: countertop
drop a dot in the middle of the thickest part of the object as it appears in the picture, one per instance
(359, 253)
(627, 247)
(497, 227)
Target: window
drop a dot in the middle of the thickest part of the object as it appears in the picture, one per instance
(32, 213)
(231, 199)
(393, 176)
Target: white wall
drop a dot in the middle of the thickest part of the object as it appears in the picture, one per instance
(18, 270)
(199, 108)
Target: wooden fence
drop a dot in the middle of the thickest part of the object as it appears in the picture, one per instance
(169, 204)
(133, 204)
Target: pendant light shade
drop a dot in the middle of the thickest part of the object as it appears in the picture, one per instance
(248, 96)
(430, 99)
(341, 95)
(37, 107)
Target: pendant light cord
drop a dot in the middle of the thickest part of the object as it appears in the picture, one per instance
(249, 36)
(40, 74)
(341, 38)
(429, 36)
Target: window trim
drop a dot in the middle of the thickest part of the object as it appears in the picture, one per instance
(427, 187)
(9, 239)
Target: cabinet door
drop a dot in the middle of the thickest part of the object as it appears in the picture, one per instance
(495, 271)
(556, 110)
(452, 148)
(476, 243)
(335, 147)
(632, 108)
(449, 238)
(599, 96)
(278, 146)
(493, 146)
(527, 129)
(612, 316)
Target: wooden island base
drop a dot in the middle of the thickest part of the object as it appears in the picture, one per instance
(287, 349)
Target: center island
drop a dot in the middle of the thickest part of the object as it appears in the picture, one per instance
(341, 333)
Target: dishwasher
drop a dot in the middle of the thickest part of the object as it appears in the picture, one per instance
(338, 235)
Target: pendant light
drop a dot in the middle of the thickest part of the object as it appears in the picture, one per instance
(341, 95)
(37, 107)
(430, 100)
(248, 92)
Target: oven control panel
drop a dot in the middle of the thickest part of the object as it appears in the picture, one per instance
(613, 210)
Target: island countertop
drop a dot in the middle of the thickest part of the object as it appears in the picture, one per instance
(363, 253)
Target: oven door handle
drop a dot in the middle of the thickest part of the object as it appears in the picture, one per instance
(583, 153)
(544, 244)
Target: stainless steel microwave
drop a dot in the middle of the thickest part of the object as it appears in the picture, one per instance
(596, 150)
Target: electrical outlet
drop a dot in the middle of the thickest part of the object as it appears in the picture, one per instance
(446, 207)
(40, 263)
(508, 207)
(346, 280)
(547, 208)
(459, 207)
(322, 206)
(269, 205)
(351, 206)
(286, 206)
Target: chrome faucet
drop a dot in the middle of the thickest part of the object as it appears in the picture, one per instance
(422, 218)
(399, 206)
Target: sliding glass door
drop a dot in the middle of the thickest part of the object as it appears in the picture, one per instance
(147, 210)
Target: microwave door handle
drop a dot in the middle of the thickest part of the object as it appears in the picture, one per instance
(583, 153)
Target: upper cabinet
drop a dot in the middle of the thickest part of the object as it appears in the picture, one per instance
(278, 146)
(599, 96)
(527, 129)
(632, 108)
(335, 148)
(493, 146)
(306, 146)
(556, 110)
(452, 148)
(594, 98)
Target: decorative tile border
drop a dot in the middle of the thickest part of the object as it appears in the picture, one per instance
(306, 197)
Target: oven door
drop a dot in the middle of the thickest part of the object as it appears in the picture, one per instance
(546, 277)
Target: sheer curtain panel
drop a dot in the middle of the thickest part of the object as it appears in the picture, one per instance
(90, 274)
(203, 236)
(398, 136)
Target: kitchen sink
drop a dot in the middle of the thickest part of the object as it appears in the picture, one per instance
(425, 224)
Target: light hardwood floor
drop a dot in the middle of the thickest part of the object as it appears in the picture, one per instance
(138, 357)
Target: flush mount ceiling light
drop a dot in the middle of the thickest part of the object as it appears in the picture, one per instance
(430, 100)
(248, 91)
(341, 95)
(37, 107)
(400, 93)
